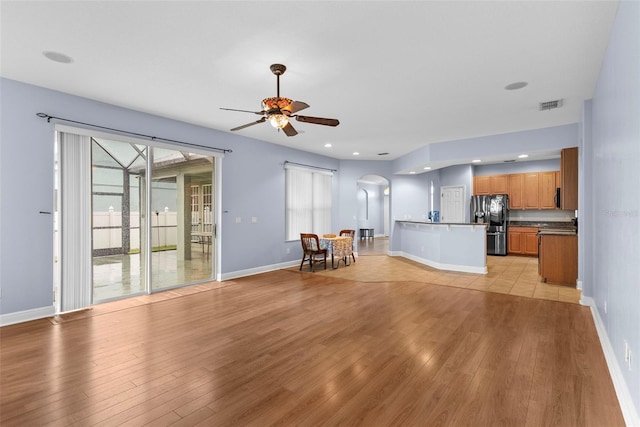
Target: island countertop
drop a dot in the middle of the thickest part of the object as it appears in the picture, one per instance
(410, 221)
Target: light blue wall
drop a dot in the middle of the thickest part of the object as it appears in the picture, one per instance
(350, 172)
(613, 198)
(252, 185)
(464, 150)
(518, 167)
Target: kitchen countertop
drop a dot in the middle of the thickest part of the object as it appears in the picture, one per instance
(411, 221)
(548, 228)
(541, 224)
(557, 231)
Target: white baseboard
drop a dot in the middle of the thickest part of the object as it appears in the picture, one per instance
(440, 266)
(26, 315)
(629, 411)
(258, 270)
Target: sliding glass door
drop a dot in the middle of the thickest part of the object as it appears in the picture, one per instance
(118, 175)
(135, 219)
(181, 224)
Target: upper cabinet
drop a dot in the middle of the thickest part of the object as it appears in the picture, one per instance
(536, 190)
(569, 178)
(481, 185)
(547, 187)
(516, 181)
(491, 184)
(499, 184)
(530, 192)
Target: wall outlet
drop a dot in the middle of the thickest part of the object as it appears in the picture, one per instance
(254, 219)
(238, 220)
(288, 250)
(627, 354)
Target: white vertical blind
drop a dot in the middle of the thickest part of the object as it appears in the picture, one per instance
(75, 216)
(321, 203)
(308, 201)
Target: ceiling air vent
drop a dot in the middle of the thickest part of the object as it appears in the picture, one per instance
(550, 105)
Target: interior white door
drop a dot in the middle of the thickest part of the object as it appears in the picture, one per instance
(452, 204)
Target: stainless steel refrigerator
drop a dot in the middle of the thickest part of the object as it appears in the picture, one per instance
(494, 211)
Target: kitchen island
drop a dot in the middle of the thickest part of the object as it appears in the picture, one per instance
(558, 256)
(445, 246)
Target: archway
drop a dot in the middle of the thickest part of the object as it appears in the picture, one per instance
(373, 210)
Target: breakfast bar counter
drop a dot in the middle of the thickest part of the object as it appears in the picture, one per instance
(445, 246)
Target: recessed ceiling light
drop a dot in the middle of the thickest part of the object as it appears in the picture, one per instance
(427, 168)
(328, 145)
(516, 85)
(355, 153)
(476, 161)
(412, 172)
(58, 57)
(523, 156)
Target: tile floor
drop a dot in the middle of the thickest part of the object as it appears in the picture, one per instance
(513, 275)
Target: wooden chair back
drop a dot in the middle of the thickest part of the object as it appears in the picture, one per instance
(310, 242)
(350, 233)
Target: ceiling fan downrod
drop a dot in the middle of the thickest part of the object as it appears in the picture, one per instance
(278, 70)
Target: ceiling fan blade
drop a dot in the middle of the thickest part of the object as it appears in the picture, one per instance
(318, 120)
(289, 130)
(296, 106)
(243, 111)
(262, 120)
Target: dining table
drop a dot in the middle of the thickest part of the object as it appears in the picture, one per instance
(340, 247)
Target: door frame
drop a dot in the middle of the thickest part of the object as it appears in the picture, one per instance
(447, 189)
(216, 244)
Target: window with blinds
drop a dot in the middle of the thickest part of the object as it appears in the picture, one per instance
(308, 201)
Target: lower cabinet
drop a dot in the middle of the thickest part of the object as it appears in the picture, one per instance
(522, 241)
(558, 260)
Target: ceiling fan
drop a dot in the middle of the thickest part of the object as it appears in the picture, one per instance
(279, 110)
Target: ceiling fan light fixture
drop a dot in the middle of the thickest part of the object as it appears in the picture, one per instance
(278, 121)
(275, 103)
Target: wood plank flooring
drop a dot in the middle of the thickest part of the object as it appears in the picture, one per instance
(291, 348)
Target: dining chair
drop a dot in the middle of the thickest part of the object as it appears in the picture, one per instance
(311, 249)
(352, 234)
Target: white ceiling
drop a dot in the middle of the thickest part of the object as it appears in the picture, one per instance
(398, 75)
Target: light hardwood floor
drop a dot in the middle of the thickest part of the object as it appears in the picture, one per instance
(301, 348)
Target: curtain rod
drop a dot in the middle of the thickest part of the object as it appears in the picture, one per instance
(309, 166)
(153, 138)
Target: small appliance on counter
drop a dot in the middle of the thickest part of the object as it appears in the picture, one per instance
(493, 210)
(434, 216)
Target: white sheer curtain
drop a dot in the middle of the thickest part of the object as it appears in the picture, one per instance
(308, 201)
(75, 221)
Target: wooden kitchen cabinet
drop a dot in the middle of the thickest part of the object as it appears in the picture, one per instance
(530, 191)
(558, 260)
(569, 178)
(531, 243)
(499, 184)
(547, 188)
(515, 190)
(533, 190)
(481, 185)
(522, 241)
(514, 241)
